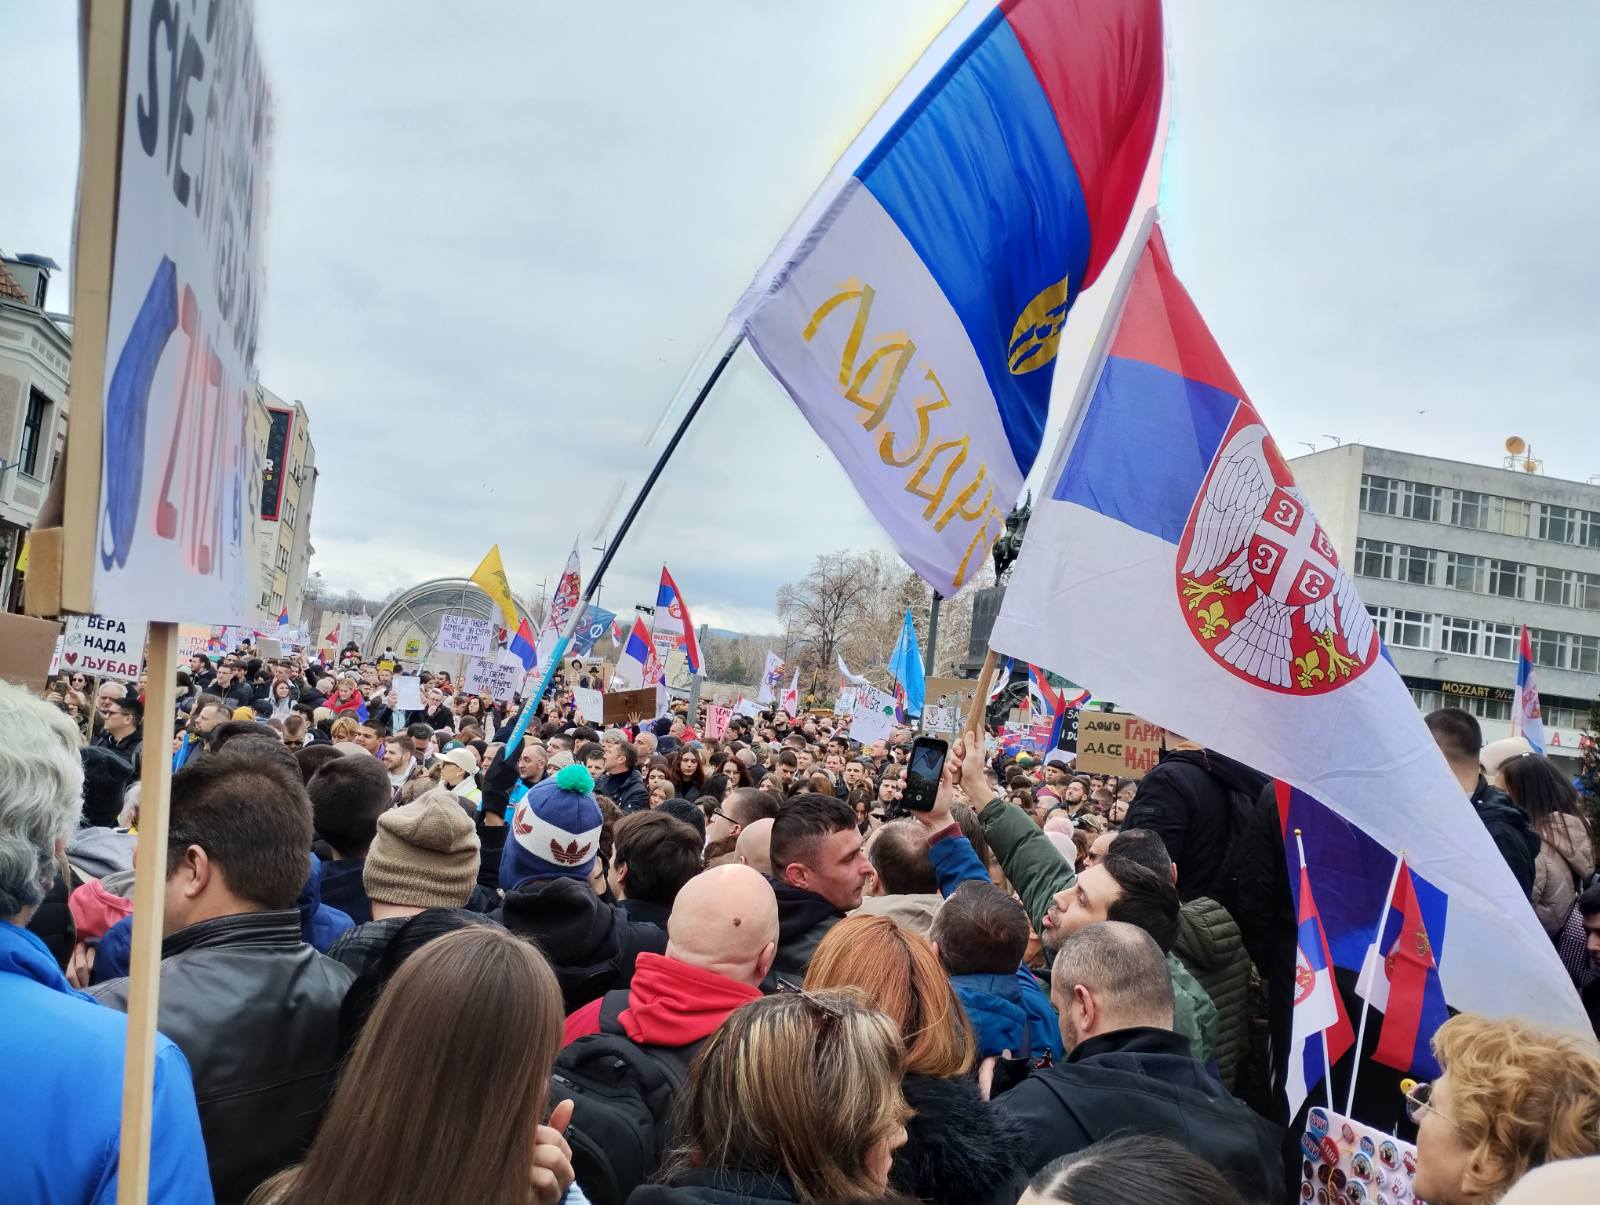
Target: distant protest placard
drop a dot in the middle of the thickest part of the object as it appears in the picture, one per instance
(717, 722)
(1117, 743)
(591, 704)
(467, 634)
(620, 705)
(873, 716)
(490, 676)
(103, 647)
(407, 692)
(938, 719)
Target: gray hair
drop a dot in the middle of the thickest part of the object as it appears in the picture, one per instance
(41, 795)
(1123, 968)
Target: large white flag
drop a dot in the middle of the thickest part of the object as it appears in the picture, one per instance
(771, 675)
(1169, 512)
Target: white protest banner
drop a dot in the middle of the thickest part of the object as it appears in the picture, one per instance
(179, 476)
(873, 716)
(717, 722)
(938, 719)
(591, 704)
(464, 634)
(846, 702)
(103, 646)
(747, 707)
(493, 677)
(407, 692)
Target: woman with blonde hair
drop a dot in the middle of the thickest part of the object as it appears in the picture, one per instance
(1511, 1097)
(437, 1105)
(795, 1097)
(344, 728)
(958, 1149)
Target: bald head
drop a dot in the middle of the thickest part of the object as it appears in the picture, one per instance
(725, 920)
(754, 846)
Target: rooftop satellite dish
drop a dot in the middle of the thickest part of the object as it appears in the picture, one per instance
(1516, 445)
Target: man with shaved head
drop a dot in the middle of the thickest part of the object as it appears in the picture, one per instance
(754, 846)
(721, 939)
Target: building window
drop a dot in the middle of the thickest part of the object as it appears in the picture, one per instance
(1583, 653)
(288, 514)
(1589, 529)
(1484, 709)
(33, 432)
(1547, 647)
(1555, 586)
(1468, 508)
(1459, 635)
(1508, 515)
(1420, 501)
(1426, 700)
(1558, 524)
(1505, 578)
(1410, 629)
(1374, 558)
(1379, 495)
(1500, 641)
(1464, 572)
(1588, 591)
(1414, 565)
(283, 557)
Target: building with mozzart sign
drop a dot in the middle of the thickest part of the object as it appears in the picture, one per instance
(1452, 559)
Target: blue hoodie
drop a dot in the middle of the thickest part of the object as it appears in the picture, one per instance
(999, 1006)
(62, 1052)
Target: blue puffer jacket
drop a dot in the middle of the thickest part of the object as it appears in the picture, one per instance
(320, 926)
(1010, 1013)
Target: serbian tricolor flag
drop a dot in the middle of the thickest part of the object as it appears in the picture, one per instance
(636, 668)
(914, 310)
(1046, 704)
(1401, 977)
(283, 618)
(672, 615)
(1169, 510)
(1318, 1010)
(524, 645)
(1002, 679)
(1527, 719)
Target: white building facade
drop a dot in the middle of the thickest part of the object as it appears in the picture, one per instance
(1453, 559)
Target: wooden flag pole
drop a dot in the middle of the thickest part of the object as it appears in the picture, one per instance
(980, 701)
(149, 897)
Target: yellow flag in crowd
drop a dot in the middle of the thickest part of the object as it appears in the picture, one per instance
(491, 575)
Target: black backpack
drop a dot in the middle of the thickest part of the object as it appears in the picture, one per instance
(623, 1094)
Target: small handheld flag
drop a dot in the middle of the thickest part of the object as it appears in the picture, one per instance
(672, 615)
(524, 645)
(1321, 1030)
(1400, 978)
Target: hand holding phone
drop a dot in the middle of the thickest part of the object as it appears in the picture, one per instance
(924, 773)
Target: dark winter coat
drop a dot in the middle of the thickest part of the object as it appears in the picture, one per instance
(591, 945)
(343, 889)
(705, 1186)
(1210, 946)
(1142, 1080)
(1512, 834)
(256, 1012)
(1184, 801)
(627, 791)
(804, 919)
(959, 1149)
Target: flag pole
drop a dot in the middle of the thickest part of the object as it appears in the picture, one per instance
(1366, 1002)
(980, 698)
(1327, 1064)
(615, 542)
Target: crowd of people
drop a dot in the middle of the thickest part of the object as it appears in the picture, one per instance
(407, 959)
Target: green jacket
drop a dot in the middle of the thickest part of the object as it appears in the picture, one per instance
(1210, 945)
(1037, 872)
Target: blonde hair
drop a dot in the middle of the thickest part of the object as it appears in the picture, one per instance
(1520, 1096)
(799, 1084)
(900, 973)
(344, 729)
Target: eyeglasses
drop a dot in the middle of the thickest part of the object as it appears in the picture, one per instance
(1418, 1104)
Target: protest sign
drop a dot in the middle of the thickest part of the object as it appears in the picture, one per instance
(164, 480)
(846, 702)
(468, 634)
(594, 627)
(950, 692)
(1038, 738)
(716, 722)
(939, 719)
(591, 704)
(1117, 743)
(192, 639)
(267, 648)
(620, 705)
(26, 645)
(407, 692)
(873, 716)
(103, 646)
(747, 707)
(493, 677)
(413, 648)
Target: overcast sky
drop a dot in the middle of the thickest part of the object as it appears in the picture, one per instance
(499, 244)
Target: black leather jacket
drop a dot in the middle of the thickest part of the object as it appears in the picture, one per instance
(256, 1012)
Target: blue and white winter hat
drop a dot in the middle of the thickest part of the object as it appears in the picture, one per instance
(555, 830)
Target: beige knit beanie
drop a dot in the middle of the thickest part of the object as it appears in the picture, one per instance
(425, 854)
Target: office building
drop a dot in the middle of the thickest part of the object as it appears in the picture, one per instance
(35, 359)
(1453, 559)
(288, 490)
